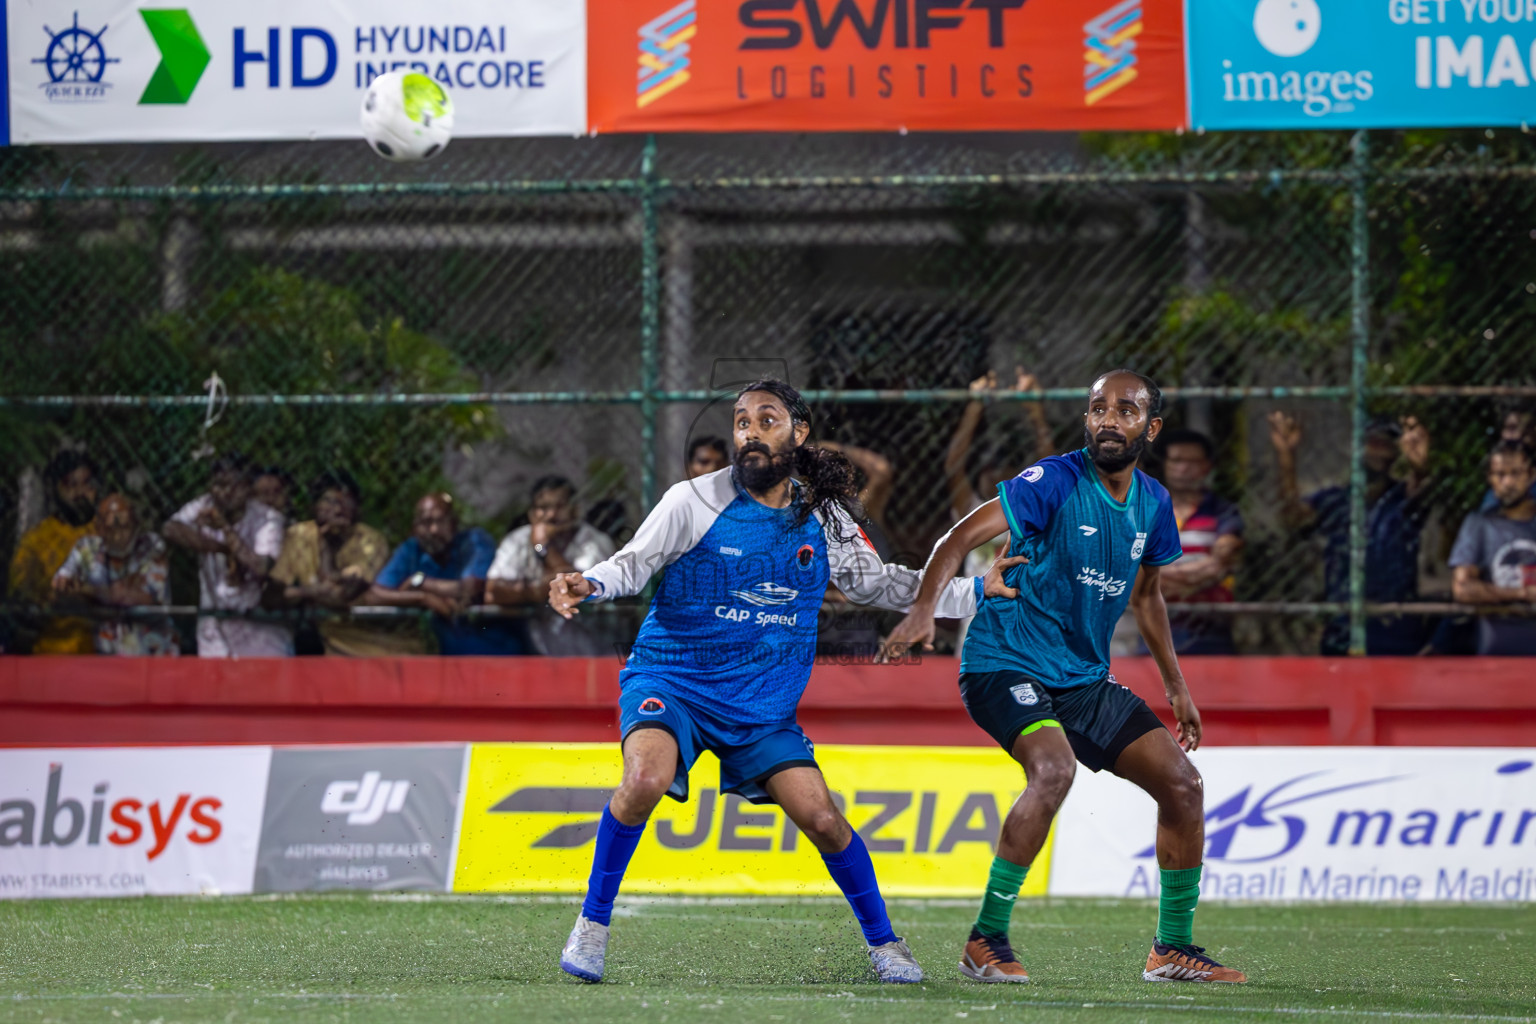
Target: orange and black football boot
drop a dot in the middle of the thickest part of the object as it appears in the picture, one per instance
(989, 958)
(1187, 963)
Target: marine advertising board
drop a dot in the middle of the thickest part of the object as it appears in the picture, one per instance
(1321, 823)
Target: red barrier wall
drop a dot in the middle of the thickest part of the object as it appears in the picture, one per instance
(1243, 701)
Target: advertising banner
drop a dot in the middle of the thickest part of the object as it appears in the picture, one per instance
(102, 822)
(1321, 823)
(884, 65)
(108, 71)
(1386, 63)
(360, 818)
(929, 816)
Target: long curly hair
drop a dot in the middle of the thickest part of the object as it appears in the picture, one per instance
(828, 481)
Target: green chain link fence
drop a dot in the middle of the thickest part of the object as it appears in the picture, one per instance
(523, 307)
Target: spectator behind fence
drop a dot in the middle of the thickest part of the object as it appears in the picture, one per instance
(442, 568)
(1211, 534)
(1495, 554)
(236, 539)
(1395, 515)
(274, 487)
(121, 565)
(1519, 425)
(706, 455)
(71, 479)
(611, 517)
(554, 541)
(329, 562)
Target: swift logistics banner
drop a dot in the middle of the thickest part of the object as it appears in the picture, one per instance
(1321, 823)
(108, 71)
(883, 65)
(1358, 64)
(929, 816)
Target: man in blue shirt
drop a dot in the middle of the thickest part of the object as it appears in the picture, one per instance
(1034, 672)
(745, 555)
(443, 568)
(1395, 515)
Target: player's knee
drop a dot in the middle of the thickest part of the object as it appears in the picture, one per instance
(1051, 777)
(641, 791)
(826, 828)
(1185, 794)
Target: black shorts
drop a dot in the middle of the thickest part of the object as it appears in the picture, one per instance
(1100, 719)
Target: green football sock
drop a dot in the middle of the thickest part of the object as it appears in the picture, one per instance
(1003, 883)
(1176, 906)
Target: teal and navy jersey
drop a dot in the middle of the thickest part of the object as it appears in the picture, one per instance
(1084, 550)
(732, 628)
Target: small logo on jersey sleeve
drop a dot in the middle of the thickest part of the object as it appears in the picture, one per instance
(1032, 474)
(805, 556)
(1139, 546)
(1025, 694)
(652, 706)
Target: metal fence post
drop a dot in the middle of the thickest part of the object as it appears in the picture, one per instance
(1359, 337)
(650, 324)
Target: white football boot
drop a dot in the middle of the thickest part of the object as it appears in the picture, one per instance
(895, 963)
(583, 954)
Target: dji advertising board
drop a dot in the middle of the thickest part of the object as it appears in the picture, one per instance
(360, 818)
(130, 822)
(107, 71)
(1361, 63)
(1321, 823)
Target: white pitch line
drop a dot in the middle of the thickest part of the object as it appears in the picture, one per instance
(1055, 1004)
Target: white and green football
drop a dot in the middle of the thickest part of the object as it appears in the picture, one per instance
(406, 116)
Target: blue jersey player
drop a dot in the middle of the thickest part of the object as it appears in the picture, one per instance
(745, 556)
(1034, 671)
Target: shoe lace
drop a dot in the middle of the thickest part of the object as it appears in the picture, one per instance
(998, 946)
(590, 942)
(1197, 954)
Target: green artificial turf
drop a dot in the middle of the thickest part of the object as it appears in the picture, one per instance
(402, 958)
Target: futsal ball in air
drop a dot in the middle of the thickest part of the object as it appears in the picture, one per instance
(406, 116)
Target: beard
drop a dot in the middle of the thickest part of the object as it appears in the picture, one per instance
(761, 474)
(77, 513)
(1114, 461)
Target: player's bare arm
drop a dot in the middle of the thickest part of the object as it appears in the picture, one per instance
(1152, 619)
(965, 536)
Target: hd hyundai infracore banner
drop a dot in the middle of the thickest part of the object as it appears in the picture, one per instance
(108, 71)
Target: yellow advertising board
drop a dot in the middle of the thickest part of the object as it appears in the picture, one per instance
(929, 816)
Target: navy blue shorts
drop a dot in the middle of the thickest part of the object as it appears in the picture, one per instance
(749, 754)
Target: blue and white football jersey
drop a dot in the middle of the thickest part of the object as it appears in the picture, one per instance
(1084, 550)
(732, 628)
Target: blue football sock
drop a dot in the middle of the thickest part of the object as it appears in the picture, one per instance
(616, 843)
(854, 873)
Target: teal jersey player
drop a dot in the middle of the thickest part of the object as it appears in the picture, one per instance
(1034, 670)
(1084, 549)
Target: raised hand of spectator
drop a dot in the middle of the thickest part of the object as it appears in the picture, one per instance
(1024, 380)
(986, 382)
(1284, 432)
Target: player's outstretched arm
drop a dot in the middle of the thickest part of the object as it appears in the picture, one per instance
(969, 533)
(1152, 619)
(671, 529)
